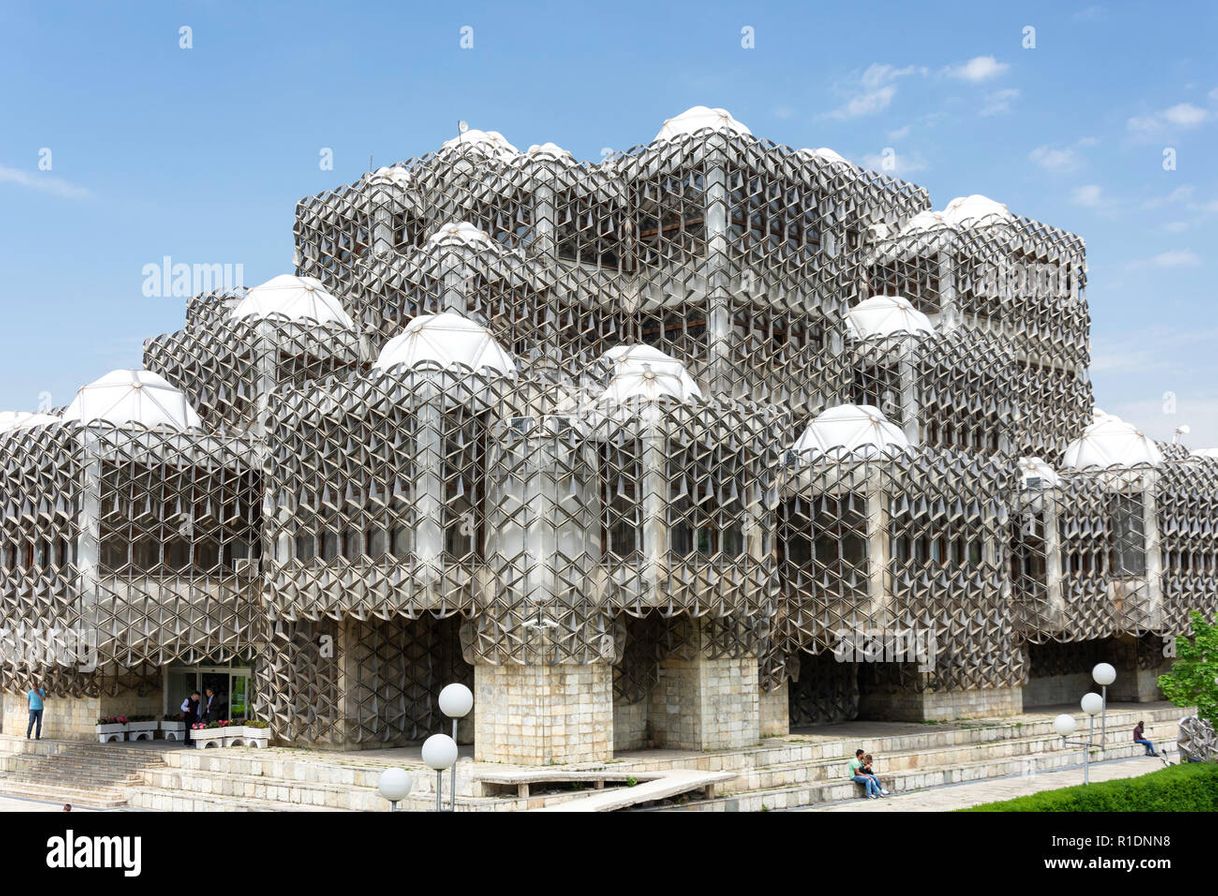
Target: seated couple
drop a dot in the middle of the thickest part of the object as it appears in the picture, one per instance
(861, 773)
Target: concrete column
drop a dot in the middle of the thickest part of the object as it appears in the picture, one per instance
(775, 711)
(655, 507)
(429, 481)
(538, 715)
(701, 703)
(909, 394)
(878, 547)
(949, 311)
(1053, 561)
(1154, 550)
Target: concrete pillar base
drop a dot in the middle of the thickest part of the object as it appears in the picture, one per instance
(706, 704)
(941, 706)
(540, 715)
(775, 711)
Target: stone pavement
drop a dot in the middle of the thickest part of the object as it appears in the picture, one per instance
(959, 796)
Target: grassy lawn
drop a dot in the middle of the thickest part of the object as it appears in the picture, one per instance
(1192, 787)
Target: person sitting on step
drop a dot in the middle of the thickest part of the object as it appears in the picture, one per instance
(871, 787)
(867, 770)
(1139, 737)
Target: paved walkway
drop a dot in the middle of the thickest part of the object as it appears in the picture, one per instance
(960, 796)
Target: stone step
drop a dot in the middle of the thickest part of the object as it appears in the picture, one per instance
(88, 797)
(157, 800)
(799, 795)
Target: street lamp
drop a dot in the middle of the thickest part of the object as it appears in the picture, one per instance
(439, 753)
(1103, 675)
(456, 700)
(395, 785)
(1093, 705)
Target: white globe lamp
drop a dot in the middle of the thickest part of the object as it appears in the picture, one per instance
(395, 785)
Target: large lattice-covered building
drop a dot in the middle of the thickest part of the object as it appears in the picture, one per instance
(680, 449)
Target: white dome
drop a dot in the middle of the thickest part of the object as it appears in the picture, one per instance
(446, 339)
(1111, 442)
(886, 315)
(296, 298)
(700, 118)
(961, 212)
(142, 397)
(824, 152)
(550, 150)
(852, 429)
(489, 143)
(641, 370)
(1035, 473)
(1206, 453)
(10, 420)
(391, 175)
(461, 232)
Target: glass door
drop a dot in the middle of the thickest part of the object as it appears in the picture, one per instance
(239, 694)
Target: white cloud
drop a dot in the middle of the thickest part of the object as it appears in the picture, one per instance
(1053, 159)
(43, 183)
(1181, 115)
(878, 87)
(999, 102)
(1176, 258)
(978, 69)
(900, 133)
(1088, 196)
(1186, 115)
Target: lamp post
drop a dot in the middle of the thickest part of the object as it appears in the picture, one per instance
(439, 753)
(1093, 705)
(456, 700)
(1103, 675)
(395, 785)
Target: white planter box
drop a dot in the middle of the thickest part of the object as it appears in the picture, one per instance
(207, 738)
(107, 734)
(173, 731)
(142, 730)
(244, 736)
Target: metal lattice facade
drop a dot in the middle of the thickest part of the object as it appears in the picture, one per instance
(425, 511)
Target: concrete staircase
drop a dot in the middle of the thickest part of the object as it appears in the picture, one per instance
(91, 775)
(967, 752)
(780, 773)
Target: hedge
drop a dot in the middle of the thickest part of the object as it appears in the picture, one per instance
(1191, 787)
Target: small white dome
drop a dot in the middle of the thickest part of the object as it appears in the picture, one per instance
(824, 152)
(124, 397)
(1206, 453)
(392, 175)
(10, 420)
(961, 212)
(489, 143)
(859, 430)
(886, 315)
(550, 150)
(641, 370)
(461, 232)
(1111, 442)
(296, 298)
(699, 118)
(446, 339)
(1035, 473)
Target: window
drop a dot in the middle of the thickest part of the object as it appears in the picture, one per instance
(1127, 538)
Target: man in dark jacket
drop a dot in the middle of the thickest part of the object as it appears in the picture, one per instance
(213, 709)
(1139, 738)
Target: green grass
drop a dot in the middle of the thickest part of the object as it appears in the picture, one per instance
(1192, 787)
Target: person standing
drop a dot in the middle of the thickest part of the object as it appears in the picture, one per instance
(190, 713)
(35, 697)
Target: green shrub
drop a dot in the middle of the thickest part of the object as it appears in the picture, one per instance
(1193, 679)
(1192, 787)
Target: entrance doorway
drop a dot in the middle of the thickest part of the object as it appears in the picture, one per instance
(230, 683)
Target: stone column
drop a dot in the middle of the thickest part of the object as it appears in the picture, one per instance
(700, 703)
(719, 319)
(775, 711)
(538, 715)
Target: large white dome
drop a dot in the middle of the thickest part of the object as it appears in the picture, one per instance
(700, 118)
(10, 420)
(446, 339)
(962, 212)
(1111, 442)
(296, 298)
(859, 430)
(886, 315)
(124, 397)
(646, 372)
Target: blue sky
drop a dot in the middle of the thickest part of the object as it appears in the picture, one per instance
(200, 154)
